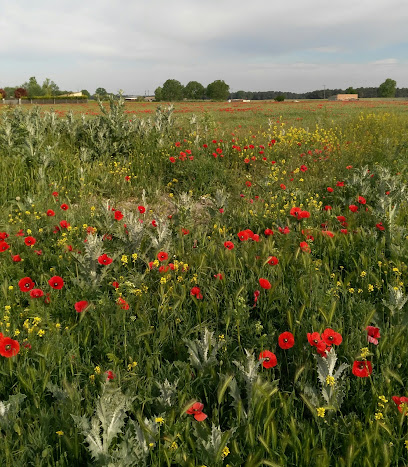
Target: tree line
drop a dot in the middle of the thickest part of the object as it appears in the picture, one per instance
(173, 90)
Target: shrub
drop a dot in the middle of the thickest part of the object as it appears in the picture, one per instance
(280, 98)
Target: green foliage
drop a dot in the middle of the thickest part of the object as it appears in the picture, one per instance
(387, 88)
(280, 98)
(350, 90)
(86, 93)
(194, 90)
(218, 90)
(158, 94)
(172, 90)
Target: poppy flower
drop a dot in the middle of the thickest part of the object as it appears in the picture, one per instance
(36, 293)
(330, 189)
(380, 226)
(142, 209)
(362, 369)
(9, 347)
(197, 410)
(373, 334)
(172, 160)
(163, 269)
(81, 306)
(322, 348)
(185, 231)
(283, 187)
(219, 276)
(4, 235)
(30, 241)
(123, 304)
(20, 233)
(4, 246)
(115, 284)
(313, 338)
(268, 232)
(273, 260)
(304, 246)
(110, 375)
(361, 200)
(64, 207)
(353, 208)
(294, 211)
(270, 359)
(104, 259)
(328, 233)
(340, 184)
(118, 215)
(303, 168)
(303, 215)
(286, 340)
(154, 223)
(328, 208)
(50, 213)
(16, 258)
(284, 231)
(64, 224)
(26, 284)
(402, 403)
(56, 282)
(196, 292)
(264, 283)
(162, 256)
(55, 194)
(331, 337)
(229, 245)
(243, 235)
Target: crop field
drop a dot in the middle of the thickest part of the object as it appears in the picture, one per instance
(208, 284)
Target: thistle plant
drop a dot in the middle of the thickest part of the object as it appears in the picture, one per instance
(203, 352)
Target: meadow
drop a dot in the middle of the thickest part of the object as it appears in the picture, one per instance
(204, 284)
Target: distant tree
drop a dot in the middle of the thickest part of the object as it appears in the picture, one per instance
(20, 92)
(3, 94)
(101, 92)
(350, 90)
(86, 93)
(49, 88)
(10, 90)
(387, 88)
(172, 90)
(194, 90)
(240, 95)
(280, 98)
(33, 88)
(218, 90)
(158, 94)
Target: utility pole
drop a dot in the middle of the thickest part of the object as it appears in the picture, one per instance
(324, 91)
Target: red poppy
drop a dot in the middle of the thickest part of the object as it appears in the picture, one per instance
(196, 292)
(328, 233)
(284, 231)
(286, 340)
(248, 183)
(294, 211)
(270, 359)
(29, 241)
(219, 276)
(197, 410)
(81, 306)
(36, 293)
(303, 168)
(362, 369)
(115, 284)
(8, 347)
(341, 184)
(185, 231)
(353, 208)
(402, 403)
(283, 187)
(123, 304)
(20, 233)
(163, 269)
(172, 160)
(26, 284)
(4, 246)
(55, 194)
(118, 215)
(64, 224)
(304, 246)
(56, 282)
(16, 258)
(154, 223)
(243, 235)
(268, 232)
(104, 259)
(328, 208)
(321, 348)
(142, 209)
(229, 245)
(4, 235)
(64, 207)
(264, 283)
(313, 338)
(162, 256)
(331, 337)
(380, 226)
(273, 260)
(330, 189)
(373, 334)
(110, 375)
(50, 213)
(361, 200)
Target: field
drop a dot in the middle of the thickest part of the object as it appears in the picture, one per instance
(206, 284)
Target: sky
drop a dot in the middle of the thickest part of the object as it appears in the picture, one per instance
(262, 45)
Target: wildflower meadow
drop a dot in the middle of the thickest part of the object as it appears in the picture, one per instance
(206, 285)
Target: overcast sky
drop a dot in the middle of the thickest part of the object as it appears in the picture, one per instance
(258, 45)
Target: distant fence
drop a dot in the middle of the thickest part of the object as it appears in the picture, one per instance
(42, 101)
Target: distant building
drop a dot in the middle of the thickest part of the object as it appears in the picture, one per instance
(131, 98)
(344, 97)
(72, 94)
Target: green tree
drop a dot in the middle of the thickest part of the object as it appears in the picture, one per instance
(350, 90)
(33, 88)
(218, 90)
(387, 88)
(101, 92)
(172, 90)
(86, 93)
(194, 90)
(49, 88)
(158, 94)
